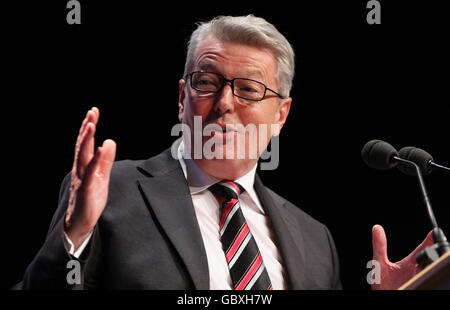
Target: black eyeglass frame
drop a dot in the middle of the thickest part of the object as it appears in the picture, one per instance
(225, 80)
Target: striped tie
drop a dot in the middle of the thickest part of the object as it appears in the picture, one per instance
(241, 251)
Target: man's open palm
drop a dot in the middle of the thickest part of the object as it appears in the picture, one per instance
(393, 275)
(89, 181)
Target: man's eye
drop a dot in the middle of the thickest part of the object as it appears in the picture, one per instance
(205, 82)
(249, 88)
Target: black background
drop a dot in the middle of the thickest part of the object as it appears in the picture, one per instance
(354, 82)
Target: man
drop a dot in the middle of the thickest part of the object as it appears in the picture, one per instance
(190, 220)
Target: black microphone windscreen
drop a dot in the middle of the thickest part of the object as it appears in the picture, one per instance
(378, 154)
(418, 156)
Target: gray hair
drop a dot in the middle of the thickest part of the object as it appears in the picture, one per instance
(252, 31)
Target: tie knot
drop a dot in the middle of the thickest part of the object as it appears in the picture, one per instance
(227, 189)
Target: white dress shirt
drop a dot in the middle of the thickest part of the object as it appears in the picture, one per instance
(207, 211)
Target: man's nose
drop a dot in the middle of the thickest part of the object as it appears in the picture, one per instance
(225, 99)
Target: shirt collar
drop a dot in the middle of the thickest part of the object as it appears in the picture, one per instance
(198, 180)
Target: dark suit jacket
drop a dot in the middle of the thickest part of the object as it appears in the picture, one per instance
(148, 237)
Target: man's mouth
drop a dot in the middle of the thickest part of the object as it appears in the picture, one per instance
(223, 130)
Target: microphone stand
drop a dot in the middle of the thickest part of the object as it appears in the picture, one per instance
(441, 245)
(439, 167)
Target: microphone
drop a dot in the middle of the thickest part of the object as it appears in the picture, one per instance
(383, 156)
(379, 155)
(422, 158)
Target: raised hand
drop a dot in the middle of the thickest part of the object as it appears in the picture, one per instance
(89, 181)
(393, 275)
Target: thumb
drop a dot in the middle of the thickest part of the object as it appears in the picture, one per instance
(379, 244)
(109, 151)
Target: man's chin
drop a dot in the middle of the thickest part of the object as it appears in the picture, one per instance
(226, 168)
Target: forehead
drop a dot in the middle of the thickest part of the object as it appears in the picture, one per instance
(235, 59)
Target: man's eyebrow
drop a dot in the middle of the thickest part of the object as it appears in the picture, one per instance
(255, 73)
(251, 73)
(206, 64)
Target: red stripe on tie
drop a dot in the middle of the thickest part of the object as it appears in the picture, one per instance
(227, 210)
(234, 185)
(250, 273)
(237, 242)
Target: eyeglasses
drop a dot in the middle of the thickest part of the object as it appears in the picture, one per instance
(247, 89)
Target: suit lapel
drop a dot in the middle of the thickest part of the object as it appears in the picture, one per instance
(291, 250)
(168, 197)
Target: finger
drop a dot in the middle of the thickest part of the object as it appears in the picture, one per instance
(379, 244)
(428, 241)
(102, 161)
(97, 114)
(107, 158)
(92, 167)
(81, 160)
(86, 149)
(92, 117)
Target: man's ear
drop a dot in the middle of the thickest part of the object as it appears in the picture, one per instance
(282, 114)
(181, 96)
